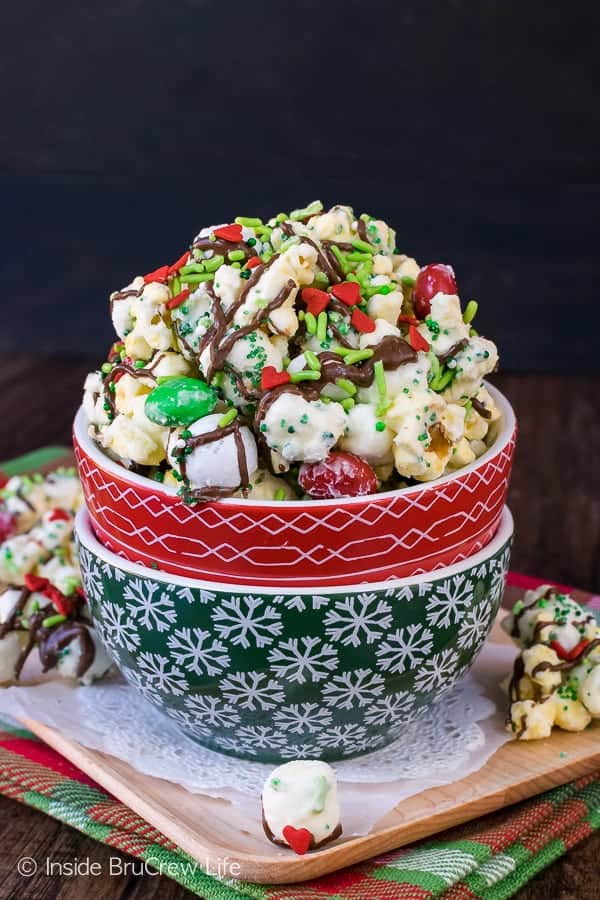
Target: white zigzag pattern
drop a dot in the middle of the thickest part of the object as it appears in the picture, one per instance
(335, 520)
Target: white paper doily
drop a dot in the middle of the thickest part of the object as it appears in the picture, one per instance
(454, 738)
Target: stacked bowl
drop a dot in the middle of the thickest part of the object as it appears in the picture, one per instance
(273, 630)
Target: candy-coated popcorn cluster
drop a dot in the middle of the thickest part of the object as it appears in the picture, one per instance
(42, 606)
(556, 678)
(270, 348)
(300, 806)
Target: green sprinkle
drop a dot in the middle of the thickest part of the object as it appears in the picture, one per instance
(51, 621)
(473, 333)
(379, 426)
(310, 322)
(236, 255)
(139, 364)
(159, 476)
(35, 605)
(279, 495)
(305, 376)
(363, 246)
(407, 281)
(175, 286)
(346, 385)
(322, 326)
(198, 279)
(263, 427)
(340, 258)
(191, 269)
(219, 380)
(162, 379)
(248, 222)
(518, 607)
(354, 356)
(228, 418)
(312, 360)
(214, 263)
(301, 315)
(275, 782)
(311, 210)
(321, 789)
(112, 387)
(107, 368)
(347, 404)
(470, 311)
(321, 279)
(380, 379)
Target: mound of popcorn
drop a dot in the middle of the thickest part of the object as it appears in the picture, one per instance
(556, 677)
(42, 604)
(301, 357)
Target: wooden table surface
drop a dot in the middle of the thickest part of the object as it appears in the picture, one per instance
(554, 496)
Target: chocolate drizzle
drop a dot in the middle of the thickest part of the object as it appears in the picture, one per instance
(453, 350)
(49, 641)
(481, 408)
(127, 369)
(209, 437)
(124, 295)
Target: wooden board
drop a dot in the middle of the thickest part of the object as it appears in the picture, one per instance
(211, 833)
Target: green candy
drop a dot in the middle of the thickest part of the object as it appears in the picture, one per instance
(180, 401)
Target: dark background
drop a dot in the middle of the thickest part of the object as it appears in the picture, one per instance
(472, 127)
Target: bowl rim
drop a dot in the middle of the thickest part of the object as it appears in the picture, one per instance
(91, 449)
(87, 538)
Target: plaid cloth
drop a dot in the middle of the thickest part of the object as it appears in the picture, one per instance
(490, 858)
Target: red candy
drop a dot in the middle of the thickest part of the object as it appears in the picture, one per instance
(436, 278)
(63, 605)
(299, 839)
(569, 655)
(7, 524)
(271, 378)
(362, 322)
(174, 302)
(159, 275)
(410, 320)
(231, 233)
(348, 292)
(59, 515)
(316, 300)
(3, 479)
(416, 339)
(253, 262)
(35, 583)
(176, 266)
(339, 475)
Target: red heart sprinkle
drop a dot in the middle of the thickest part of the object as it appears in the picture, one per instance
(348, 292)
(316, 300)
(362, 322)
(271, 378)
(159, 275)
(3, 479)
(176, 266)
(231, 233)
(174, 302)
(63, 605)
(59, 515)
(35, 583)
(253, 262)
(299, 839)
(416, 339)
(578, 648)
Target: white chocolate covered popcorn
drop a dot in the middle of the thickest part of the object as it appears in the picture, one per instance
(313, 314)
(300, 805)
(556, 678)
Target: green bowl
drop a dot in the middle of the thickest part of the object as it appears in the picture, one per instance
(272, 676)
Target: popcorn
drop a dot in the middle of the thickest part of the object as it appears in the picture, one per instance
(320, 335)
(556, 678)
(41, 605)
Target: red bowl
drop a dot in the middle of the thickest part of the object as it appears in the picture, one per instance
(319, 542)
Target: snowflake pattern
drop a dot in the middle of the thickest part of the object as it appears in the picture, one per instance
(161, 674)
(212, 710)
(354, 688)
(117, 628)
(391, 709)
(438, 671)
(303, 659)
(352, 738)
(149, 604)
(299, 718)
(196, 651)
(246, 620)
(407, 593)
(91, 576)
(475, 624)
(355, 619)
(404, 648)
(448, 601)
(252, 690)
